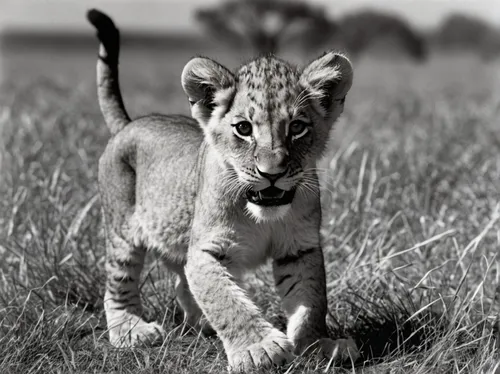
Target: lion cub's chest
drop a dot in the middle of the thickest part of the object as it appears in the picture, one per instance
(256, 243)
(252, 245)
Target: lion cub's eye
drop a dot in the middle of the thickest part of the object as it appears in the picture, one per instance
(243, 128)
(297, 129)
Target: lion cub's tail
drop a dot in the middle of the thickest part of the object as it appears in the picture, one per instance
(108, 88)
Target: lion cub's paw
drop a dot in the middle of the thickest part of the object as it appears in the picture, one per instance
(132, 331)
(340, 350)
(274, 349)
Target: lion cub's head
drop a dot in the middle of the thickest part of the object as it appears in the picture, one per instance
(269, 122)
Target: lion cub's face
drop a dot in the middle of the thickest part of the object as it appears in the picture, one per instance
(269, 123)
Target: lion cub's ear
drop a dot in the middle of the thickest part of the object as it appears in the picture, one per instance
(208, 86)
(327, 80)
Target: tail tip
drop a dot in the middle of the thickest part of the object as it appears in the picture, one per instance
(100, 20)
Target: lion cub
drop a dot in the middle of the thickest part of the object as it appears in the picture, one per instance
(220, 194)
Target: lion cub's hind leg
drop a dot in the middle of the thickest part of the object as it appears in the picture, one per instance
(193, 315)
(122, 303)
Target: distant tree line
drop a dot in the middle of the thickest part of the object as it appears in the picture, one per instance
(268, 26)
(461, 32)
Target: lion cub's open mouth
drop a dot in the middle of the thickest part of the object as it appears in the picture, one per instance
(271, 196)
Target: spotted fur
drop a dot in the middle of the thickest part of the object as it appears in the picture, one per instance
(179, 186)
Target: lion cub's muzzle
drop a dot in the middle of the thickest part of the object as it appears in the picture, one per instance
(271, 196)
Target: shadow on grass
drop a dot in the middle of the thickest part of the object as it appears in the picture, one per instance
(385, 333)
(394, 326)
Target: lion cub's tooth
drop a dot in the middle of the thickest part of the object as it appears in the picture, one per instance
(281, 195)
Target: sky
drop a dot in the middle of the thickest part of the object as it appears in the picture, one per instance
(176, 15)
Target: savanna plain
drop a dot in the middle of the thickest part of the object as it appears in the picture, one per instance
(411, 229)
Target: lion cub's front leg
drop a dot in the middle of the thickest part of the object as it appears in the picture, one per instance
(249, 340)
(300, 280)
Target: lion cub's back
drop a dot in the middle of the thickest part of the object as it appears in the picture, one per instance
(166, 155)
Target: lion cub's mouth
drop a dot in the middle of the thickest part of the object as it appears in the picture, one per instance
(271, 196)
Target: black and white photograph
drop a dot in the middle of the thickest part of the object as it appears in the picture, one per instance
(250, 186)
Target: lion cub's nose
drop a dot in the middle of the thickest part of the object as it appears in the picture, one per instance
(272, 177)
(272, 164)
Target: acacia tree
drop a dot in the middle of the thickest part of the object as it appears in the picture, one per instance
(358, 31)
(267, 25)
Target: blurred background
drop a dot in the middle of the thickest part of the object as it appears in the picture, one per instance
(412, 27)
(51, 40)
(411, 30)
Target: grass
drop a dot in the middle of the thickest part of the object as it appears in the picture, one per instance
(411, 194)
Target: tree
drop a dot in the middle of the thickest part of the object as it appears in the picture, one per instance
(358, 31)
(461, 32)
(267, 25)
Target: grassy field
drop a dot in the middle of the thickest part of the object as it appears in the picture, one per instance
(411, 219)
